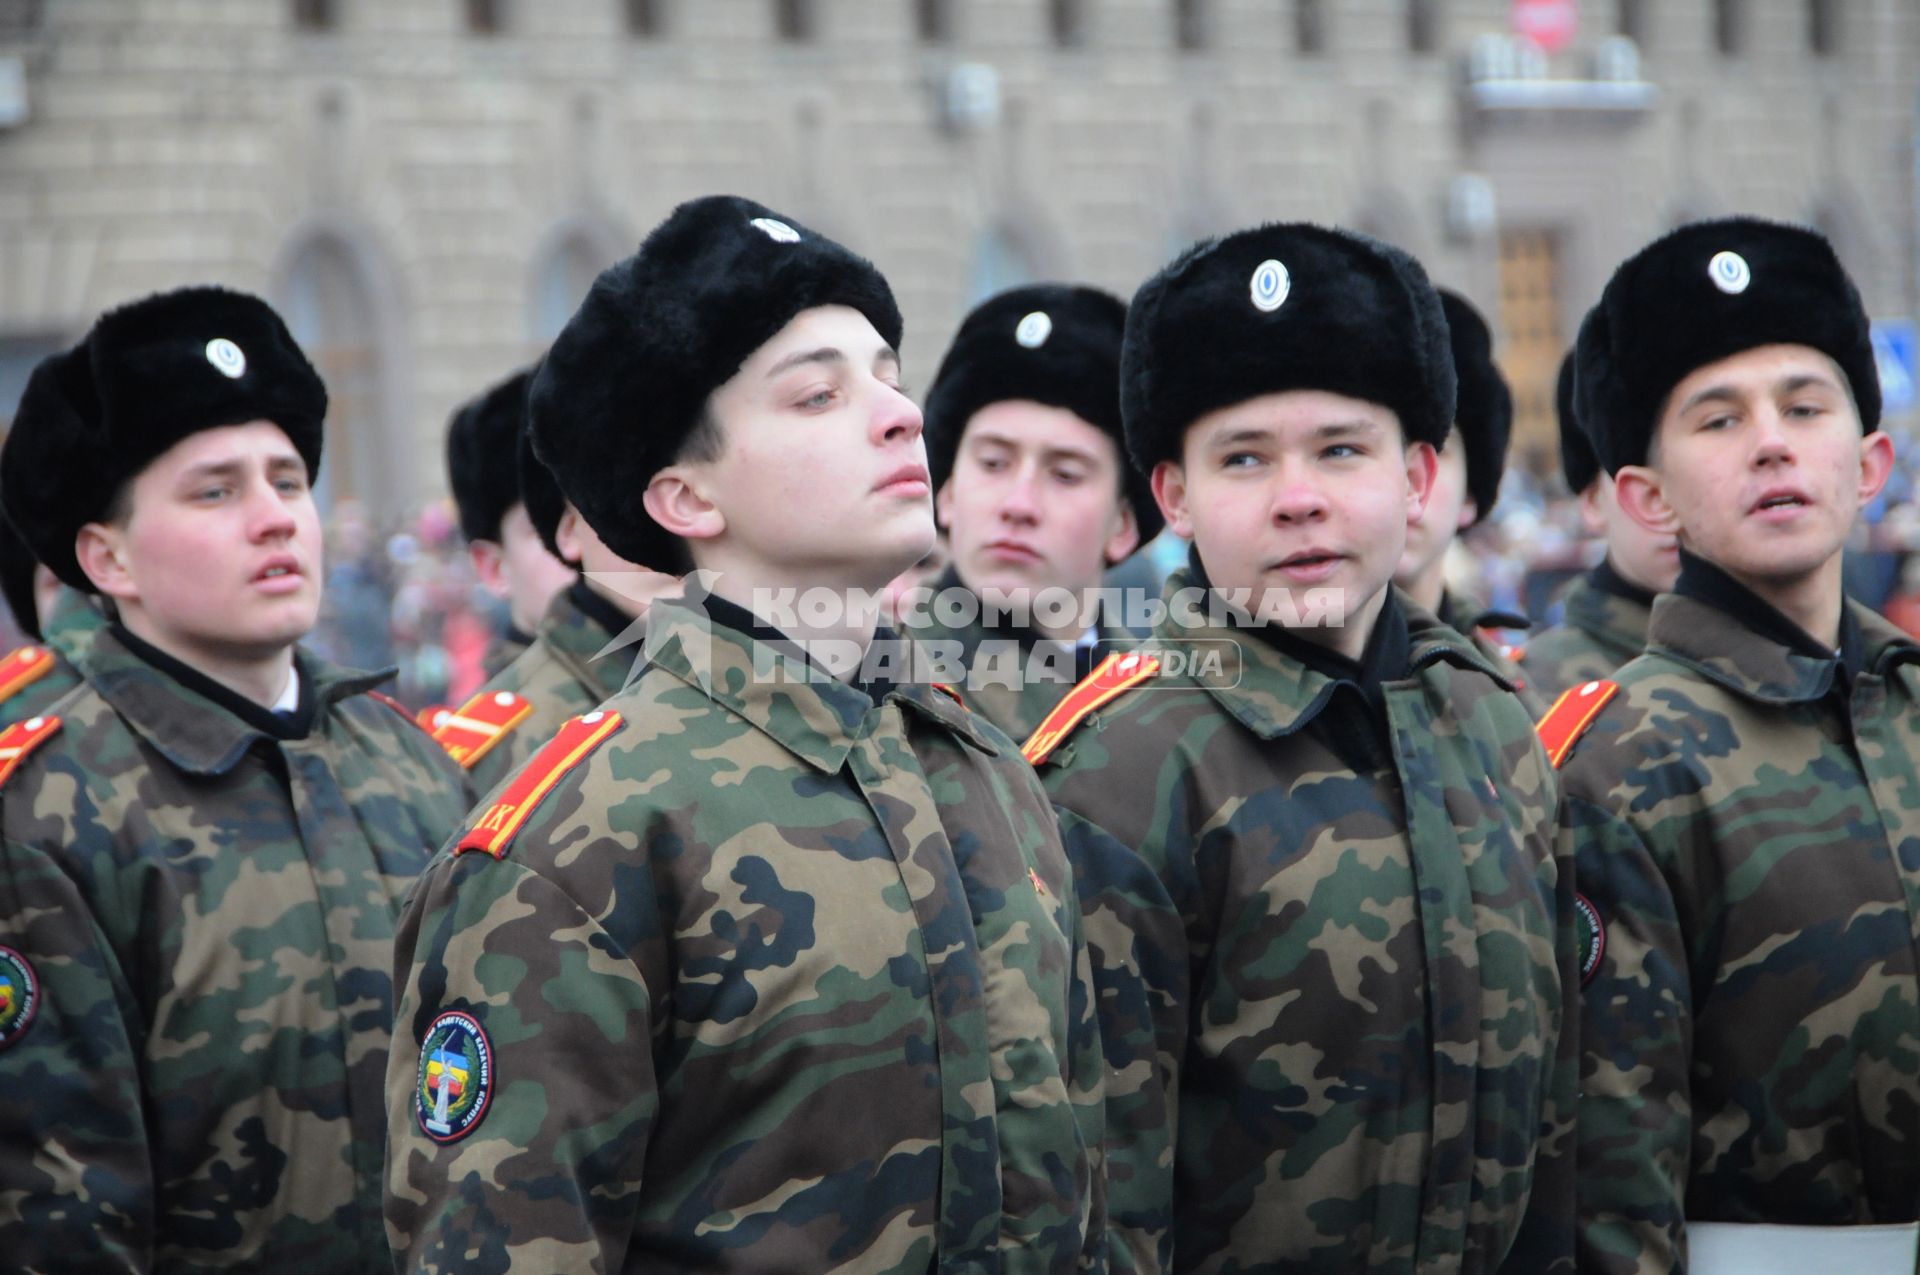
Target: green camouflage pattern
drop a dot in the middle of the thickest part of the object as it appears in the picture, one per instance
(67, 633)
(506, 647)
(1331, 1001)
(1750, 839)
(1598, 633)
(775, 979)
(201, 1089)
(1469, 617)
(560, 677)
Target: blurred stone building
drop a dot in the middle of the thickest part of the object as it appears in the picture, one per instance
(425, 187)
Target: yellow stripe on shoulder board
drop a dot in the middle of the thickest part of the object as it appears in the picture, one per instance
(20, 739)
(1560, 729)
(22, 669)
(567, 749)
(1113, 678)
(477, 726)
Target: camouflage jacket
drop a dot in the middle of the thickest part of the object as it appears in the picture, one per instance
(1747, 825)
(1469, 617)
(1013, 678)
(1330, 987)
(1601, 631)
(204, 914)
(33, 677)
(559, 677)
(507, 646)
(774, 979)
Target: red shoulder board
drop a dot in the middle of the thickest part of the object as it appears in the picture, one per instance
(471, 731)
(578, 737)
(1514, 654)
(393, 704)
(1113, 678)
(20, 739)
(947, 690)
(1570, 716)
(430, 717)
(22, 669)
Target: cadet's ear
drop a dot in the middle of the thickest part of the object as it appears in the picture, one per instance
(943, 505)
(1637, 490)
(1125, 537)
(677, 500)
(1876, 464)
(101, 550)
(1423, 467)
(1593, 504)
(489, 566)
(1169, 482)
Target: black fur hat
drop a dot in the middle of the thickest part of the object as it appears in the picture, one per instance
(545, 505)
(1577, 461)
(148, 375)
(628, 378)
(1051, 343)
(483, 455)
(1704, 293)
(1283, 307)
(1484, 406)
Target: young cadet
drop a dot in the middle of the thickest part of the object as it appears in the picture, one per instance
(1465, 487)
(752, 968)
(1743, 797)
(509, 556)
(1329, 930)
(1024, 441)
(60, 620)
(577, 659)
(1604, 623)
(204, 846)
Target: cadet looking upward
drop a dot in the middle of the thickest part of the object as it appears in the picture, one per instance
(1035, 493)
(509, 555)
(1465, 487)
(1744, 800)
(756, 967)
(1329, 930)
(1606, 612)
(576, 659)
(202, 847)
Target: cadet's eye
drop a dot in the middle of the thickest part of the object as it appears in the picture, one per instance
(1239, 460)
(1342, 451)
(1069, 477)
(819, 398)
(1720, 421)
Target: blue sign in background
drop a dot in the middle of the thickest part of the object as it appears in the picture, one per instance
(1893, 351)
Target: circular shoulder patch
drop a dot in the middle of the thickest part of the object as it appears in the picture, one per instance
(19, 996)
(1730, 272)
(455, 1080)
(1592, 937)
(1270, 285)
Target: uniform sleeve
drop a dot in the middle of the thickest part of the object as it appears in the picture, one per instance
(1635, 1121)
(1087, 1088)
(547, 1175)
(76, 1184)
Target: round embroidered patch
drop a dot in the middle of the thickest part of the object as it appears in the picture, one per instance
(455, 1080)
(1592, 936)
(19, 996)
(226, 358)
(1034, 330)
(1270, 286)
(1730, 272)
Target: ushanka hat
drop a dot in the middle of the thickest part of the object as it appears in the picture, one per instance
(1483, 408)
(545, 505)
(1577, 461)
(1051, 343)
(147, 375)
(627, 380)
(1706, 292)
(483, 455)
(1283, 307)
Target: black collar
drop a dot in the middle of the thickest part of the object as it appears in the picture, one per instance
(1610, 581)
(598, 608)
(516, 635)
(744, 622)
(1706, 583)
(294, 725)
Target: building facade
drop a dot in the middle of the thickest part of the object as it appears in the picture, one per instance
(425, 187)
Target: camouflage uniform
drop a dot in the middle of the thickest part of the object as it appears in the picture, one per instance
(775, 979)
(1469, 617)
(1604, 626)
(69, 632)
(998, 661)
(209, 909)
(1330, 955)
(506, 647)
(559, 676)
(1746, 814)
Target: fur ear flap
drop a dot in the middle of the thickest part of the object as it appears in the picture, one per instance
(1484, 408)
(483, 455)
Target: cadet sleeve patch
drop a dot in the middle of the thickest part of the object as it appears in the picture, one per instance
(1563, 725)
(22, 669)
(567, 749)
(1116, 675)
(20, 739)
(477, 726)
(19, 996)
(455, 1081)
(1593, 937)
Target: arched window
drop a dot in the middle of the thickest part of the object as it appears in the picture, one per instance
(999, 262)
(329, 309)
(561, 278)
